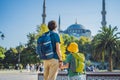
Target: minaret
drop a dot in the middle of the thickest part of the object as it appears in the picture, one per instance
(103, 12)
(44, 13)
(59, 24)
(76, 21)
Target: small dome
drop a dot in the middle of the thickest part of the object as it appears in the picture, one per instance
(76, 26)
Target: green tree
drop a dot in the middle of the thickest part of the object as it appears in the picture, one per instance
(84, 45)
(63, 48)
(11, 57)
(31, 40)
(116, 59)
(67, 39)
(106, 43)
(19, 50)
(83, 40)
(29, 55)
(2, 51)
(41, 29)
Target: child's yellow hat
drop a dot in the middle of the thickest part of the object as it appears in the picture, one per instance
(73, 47)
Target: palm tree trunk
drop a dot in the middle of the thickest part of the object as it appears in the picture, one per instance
(110, 62)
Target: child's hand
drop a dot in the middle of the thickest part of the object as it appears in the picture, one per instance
(61, 67)
(60, 64)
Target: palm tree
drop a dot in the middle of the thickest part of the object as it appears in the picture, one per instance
(106, 43)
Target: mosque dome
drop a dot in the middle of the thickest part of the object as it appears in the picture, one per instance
(75, 26)
(77, 30)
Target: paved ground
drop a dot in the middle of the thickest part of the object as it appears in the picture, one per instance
(24, 75)
(17, 75)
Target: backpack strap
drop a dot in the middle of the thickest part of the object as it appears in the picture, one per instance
(76, 60)
(72, 64)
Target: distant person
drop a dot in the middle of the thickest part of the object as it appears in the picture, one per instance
(28, 67)
(74, 62)
(37, 67)
(16, 66)
(41, 67)
(32, 67)
(51, 66)
(90, 68)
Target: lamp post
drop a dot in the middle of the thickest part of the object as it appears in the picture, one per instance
(19, 48)
(19, 60)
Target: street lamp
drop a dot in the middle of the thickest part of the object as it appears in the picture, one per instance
(19, 60)
(19, 48)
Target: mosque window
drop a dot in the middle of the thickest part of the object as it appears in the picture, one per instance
(83, 31)
(75, 31)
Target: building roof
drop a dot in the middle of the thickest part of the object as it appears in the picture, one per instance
(75, 26)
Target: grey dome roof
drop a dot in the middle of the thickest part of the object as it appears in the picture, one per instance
(76, 26)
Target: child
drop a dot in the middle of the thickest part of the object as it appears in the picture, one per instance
(72, 73)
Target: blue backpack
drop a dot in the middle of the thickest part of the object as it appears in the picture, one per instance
(44, 46)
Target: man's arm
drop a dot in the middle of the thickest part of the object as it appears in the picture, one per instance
(58, 51)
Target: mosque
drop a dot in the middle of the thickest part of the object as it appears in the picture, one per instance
(76, 30)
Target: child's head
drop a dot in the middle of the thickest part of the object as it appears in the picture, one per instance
(73, 47)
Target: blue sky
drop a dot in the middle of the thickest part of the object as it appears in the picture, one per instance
(18, 18)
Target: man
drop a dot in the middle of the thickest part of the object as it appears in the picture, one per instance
(51, 66)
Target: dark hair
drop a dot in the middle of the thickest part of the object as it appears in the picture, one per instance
(52, 25)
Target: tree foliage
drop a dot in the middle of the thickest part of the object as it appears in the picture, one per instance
(106, 42)
(41, 29)
(2, 51)
(62, 48)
